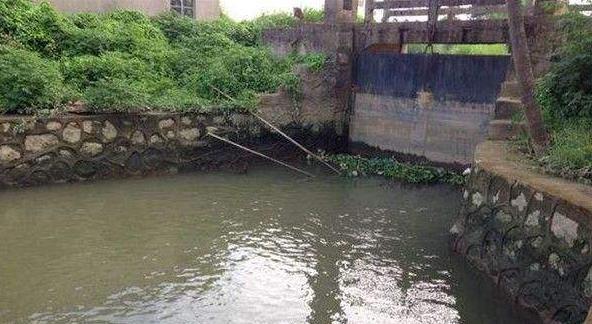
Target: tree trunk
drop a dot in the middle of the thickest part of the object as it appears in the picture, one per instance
(525, 76)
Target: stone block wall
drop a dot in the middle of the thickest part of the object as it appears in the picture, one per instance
(73, 148)
(531, 233)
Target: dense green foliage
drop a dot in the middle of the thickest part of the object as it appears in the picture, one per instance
(565, 94)
(566, 91)
(392, 169)
(28, 82)
(125, 61)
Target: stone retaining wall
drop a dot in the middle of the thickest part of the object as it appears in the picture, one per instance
(75, 148)
(531, 233)
(82, 147)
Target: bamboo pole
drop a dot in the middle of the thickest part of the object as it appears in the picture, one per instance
(296, 143)
(260, 154)
(300, 146)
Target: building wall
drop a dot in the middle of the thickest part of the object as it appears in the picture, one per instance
(152, 7)
(205, 9)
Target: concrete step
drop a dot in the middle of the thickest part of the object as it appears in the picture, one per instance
(505, 129)
(510, 89)
(506, 108)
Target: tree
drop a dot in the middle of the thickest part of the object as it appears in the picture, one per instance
(525, 76)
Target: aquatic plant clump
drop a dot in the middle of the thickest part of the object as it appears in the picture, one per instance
(392, 169)
(126, 61)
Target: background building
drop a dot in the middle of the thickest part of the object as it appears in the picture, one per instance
(198, 9)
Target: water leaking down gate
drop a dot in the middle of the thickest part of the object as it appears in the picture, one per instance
(435, 106)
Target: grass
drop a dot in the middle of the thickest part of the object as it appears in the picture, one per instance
(570, 154)
(461, 49)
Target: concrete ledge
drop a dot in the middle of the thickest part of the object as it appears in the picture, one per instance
(531, 233)
(497, 157)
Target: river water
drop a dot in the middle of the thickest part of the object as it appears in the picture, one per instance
(264, 247)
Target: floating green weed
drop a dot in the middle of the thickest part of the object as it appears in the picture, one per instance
(392, 169)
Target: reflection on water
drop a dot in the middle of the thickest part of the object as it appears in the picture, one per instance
(266, 247)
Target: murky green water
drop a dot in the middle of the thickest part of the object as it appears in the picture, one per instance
(267, 247)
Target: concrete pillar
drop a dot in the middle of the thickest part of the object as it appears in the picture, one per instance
(341, 11)
(331, 7)
(543, 36)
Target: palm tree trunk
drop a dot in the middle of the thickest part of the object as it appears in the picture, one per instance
(525, 76)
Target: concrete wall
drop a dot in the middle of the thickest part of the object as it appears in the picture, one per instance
(306, 38)
(336, 11)
(205, 9)
(531, 233)
(432, 106)
(441, 131)
(334, 40)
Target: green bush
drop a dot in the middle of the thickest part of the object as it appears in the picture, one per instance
(176, 99)
(117, 95)
(126, 61)
(123, 31)
(313, 61)
(13, 16)
(312, 15)
(28, 82)
(570, 155)
(565, 93)
(38, 27)
(83, 71)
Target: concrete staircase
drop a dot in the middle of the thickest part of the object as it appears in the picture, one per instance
(508, 105)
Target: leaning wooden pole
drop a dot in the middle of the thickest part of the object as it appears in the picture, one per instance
(293, 141)
(320, 159)
(260, 154)
(525, 76)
